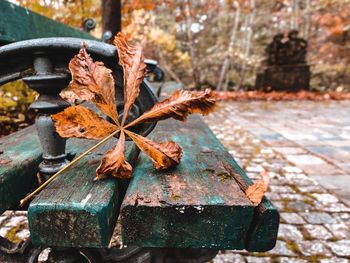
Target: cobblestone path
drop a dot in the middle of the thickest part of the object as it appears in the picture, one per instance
(315, 223)
(305, 153)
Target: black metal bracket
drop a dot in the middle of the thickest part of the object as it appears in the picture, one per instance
(48, 84)
(154, 72)
(89, 24)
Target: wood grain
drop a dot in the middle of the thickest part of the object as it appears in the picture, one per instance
(20, 155)
(199, 204)
(262, 234)
(74, 210)
(195, 205)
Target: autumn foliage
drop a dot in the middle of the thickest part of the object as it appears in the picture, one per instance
(92, 81)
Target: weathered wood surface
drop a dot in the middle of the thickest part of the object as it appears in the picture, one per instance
(20, 155)
(197, 204)
(262, 234)
(74, 210)
(17, 23)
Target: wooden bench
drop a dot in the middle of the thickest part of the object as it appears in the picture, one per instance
(160, 209)
(200, 204)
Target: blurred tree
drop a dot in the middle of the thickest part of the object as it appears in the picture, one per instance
(220, 43)
(70, 12)
(229, 53)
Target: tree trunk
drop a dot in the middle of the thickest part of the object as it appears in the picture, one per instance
(167, 68)
(226, 64)
(248, 42)
(111, 16)
(191, 45)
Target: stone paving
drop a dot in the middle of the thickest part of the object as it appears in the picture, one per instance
(297, 144)
(304, 149)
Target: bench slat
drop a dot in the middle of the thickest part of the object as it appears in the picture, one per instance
(197, 204)
(20, 156)
(19, 159)
(75, 211)
(17, 23)
(264, 229)
(262, 234)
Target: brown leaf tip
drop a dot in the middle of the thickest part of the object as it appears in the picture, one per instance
(256, 191)
(114, 163)
(173, 152)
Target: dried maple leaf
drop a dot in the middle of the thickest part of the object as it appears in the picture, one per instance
(81, 122)
(93, 82)
(114, 163)
(163, 155)
(255, 192)
(132, 60)
(178, 106)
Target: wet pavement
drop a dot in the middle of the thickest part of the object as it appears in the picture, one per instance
(304, 146)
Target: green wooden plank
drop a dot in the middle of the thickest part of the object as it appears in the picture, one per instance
(17, 23)
(74, 210)
(263, 232)
(20, 155)
(195, 205)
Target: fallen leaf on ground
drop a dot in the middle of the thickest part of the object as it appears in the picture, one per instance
(279, 95)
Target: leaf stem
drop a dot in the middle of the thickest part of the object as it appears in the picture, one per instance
(41, 187)
(132, 123)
